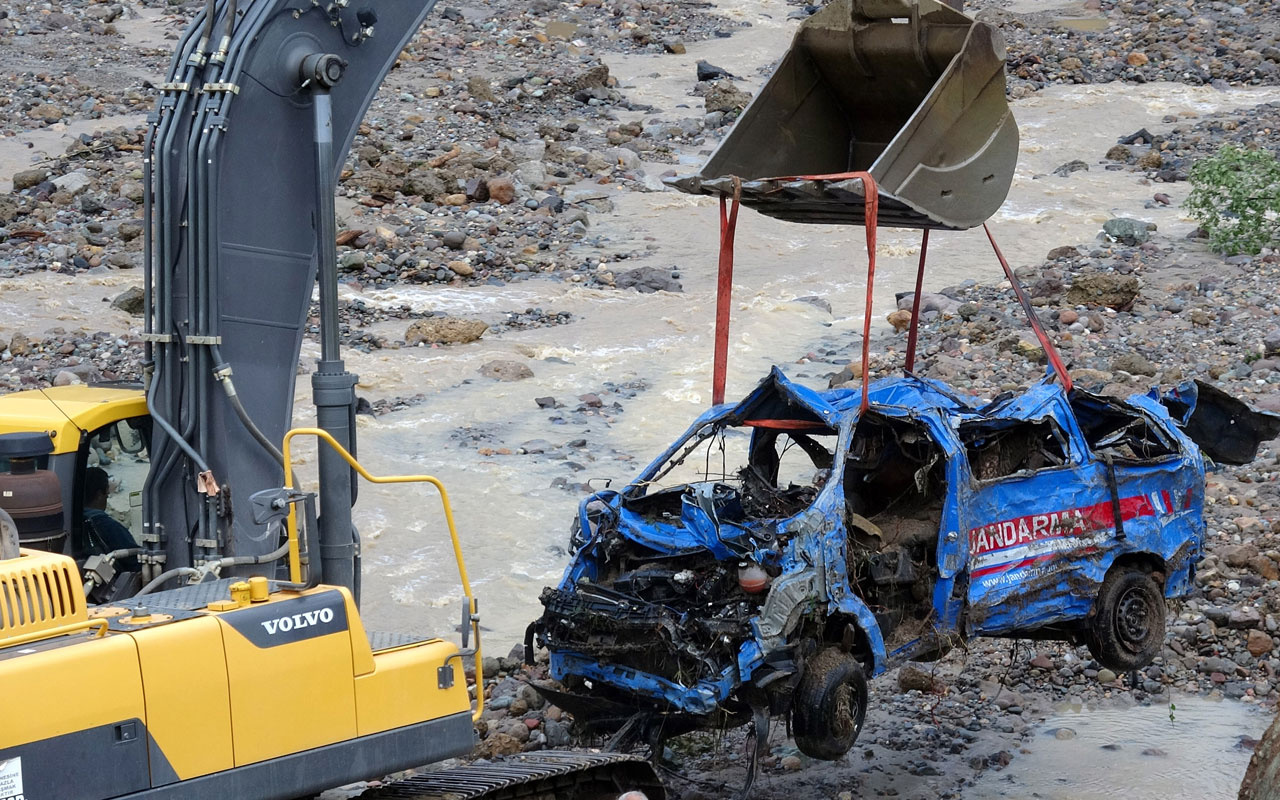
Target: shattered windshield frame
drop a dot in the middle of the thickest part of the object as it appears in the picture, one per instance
(766, 454)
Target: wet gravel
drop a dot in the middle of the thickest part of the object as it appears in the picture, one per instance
(1197, 43)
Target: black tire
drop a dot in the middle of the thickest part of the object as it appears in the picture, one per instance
(829, 705)
(1127, 631)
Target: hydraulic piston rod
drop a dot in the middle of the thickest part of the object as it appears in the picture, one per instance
(332, 386)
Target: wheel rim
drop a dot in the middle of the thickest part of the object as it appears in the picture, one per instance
(1133, 618)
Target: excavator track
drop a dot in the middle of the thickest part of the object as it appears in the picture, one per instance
(549, 775)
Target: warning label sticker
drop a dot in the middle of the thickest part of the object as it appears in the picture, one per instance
(11, 779)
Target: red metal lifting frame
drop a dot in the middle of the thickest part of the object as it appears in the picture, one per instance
(724, 286)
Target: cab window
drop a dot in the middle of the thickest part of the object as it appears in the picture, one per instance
(121, 450)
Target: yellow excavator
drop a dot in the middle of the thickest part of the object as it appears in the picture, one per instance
(250, 688)
(178, 617)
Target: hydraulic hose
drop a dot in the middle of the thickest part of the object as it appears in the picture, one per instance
(208, 26)
(165, 577)
(206, 258)
(223, 373)
(198, 357)
(157, 257)
(195, 233)
(208, 245)
(173, 434)
(148, 294)
(265, 558)
(228, 27)
(230, 561)
(111, 558)
(166, 362)
(202, 253)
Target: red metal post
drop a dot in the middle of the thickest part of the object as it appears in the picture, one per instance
(724, 292)
(869, 221)
(724, 288)
(915, 306)
(1052, 352)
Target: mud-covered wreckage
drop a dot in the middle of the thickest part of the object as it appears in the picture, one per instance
(787, 547)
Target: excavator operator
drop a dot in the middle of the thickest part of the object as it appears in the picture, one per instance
(102, 533)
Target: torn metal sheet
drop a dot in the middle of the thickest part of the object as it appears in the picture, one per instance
(788, 523)
(1226, 428)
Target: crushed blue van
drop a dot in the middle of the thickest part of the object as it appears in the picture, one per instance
(788, 547)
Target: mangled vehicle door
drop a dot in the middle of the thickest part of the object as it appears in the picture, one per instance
(1061, 490)
(1029, 514)
(1155, 480)
(899, 479)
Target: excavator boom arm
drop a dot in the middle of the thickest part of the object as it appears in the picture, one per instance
(263, 98)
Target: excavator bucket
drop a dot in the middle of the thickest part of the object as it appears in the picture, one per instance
(911, 91)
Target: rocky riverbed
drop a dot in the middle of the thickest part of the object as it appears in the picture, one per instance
(479, 224)
(1114, 310)
(1097, 41)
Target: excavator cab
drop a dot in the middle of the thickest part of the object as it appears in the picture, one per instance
(911, 91)
(50, 440)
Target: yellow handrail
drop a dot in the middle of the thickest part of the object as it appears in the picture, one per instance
(295, 564)
(61, 630)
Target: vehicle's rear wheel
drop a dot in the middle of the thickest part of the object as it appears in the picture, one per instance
(829, 705)
(1127, 632)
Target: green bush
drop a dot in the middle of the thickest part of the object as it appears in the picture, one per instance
(1235, 196)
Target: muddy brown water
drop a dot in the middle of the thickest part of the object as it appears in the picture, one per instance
(1199, 749)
